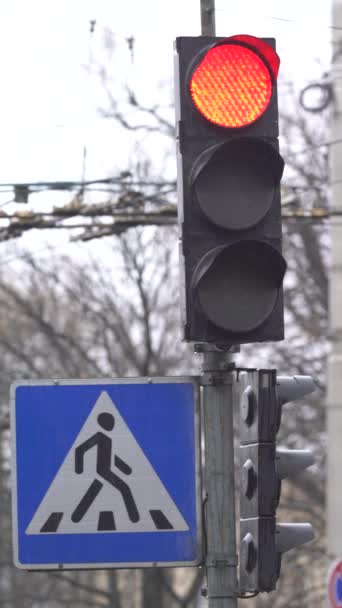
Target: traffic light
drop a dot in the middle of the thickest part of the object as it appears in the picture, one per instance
(262, 467)
(229, 171)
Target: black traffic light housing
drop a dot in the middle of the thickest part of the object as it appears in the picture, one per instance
(229, 208)
(262, 467)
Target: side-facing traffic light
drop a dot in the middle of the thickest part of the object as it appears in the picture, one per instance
(262, 467)
(229, 170)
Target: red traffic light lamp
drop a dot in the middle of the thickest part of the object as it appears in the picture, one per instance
(232, 84)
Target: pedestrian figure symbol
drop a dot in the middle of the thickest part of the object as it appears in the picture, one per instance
(106, 483)
(103, 444)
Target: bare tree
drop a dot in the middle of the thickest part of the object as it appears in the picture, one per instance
(110, 316)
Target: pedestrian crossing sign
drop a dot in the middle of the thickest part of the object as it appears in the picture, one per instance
(106, 473)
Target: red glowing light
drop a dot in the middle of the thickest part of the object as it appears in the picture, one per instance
(232, 85)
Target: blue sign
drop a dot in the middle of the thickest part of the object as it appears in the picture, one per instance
(106, 473)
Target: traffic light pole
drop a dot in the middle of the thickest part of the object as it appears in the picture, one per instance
(221, 558)
(208, 17)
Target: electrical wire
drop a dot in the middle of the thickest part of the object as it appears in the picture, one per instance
(63, 184)
(307, 23)
(12, 200)
(290, 21)
(123, 179)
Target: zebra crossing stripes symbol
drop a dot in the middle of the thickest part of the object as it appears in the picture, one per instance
(106, 484)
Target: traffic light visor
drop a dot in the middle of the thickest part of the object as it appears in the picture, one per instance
(232, 85)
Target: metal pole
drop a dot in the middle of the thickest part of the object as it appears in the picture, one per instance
(208, 17)
(334, 398)
(221, 559)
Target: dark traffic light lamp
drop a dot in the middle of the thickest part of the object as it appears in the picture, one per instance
(229, 171)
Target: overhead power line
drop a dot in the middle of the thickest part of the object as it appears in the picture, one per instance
(307, 23)
(123, 178)
(110, 222)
